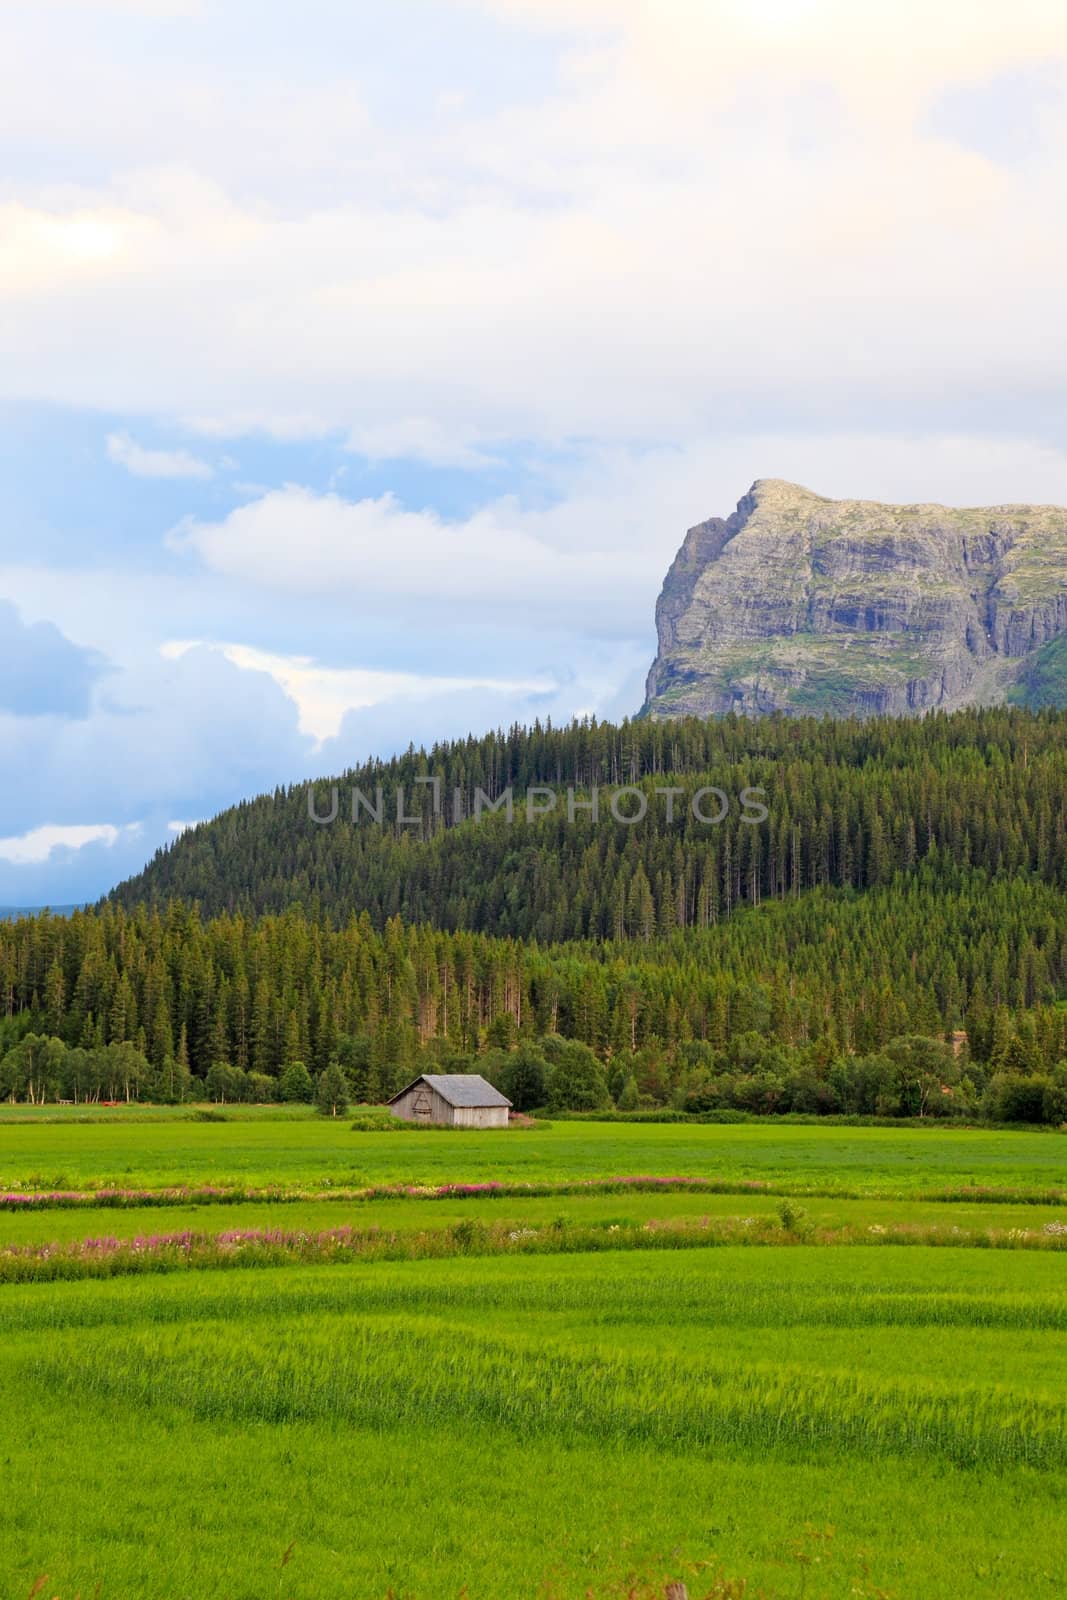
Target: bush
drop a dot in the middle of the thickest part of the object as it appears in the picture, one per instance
(705, 1094)
(1014, 1099)
(806, 1092)
(795, 1220)
(1054, 1104)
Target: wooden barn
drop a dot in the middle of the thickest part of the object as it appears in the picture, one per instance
(462, 1099)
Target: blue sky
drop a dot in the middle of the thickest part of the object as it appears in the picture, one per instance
(361, 368)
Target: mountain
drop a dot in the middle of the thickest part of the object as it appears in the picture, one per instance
(801, 604)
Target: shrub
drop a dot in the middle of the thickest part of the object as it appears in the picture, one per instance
(1054, 1102)
(1014, 1099)
(795, 1220)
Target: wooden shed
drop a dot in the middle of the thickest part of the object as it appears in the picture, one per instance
(461, 1099)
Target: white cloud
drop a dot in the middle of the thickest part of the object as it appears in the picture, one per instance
(286, 426)
(39, 843)
(498, 562)
(325, 694)
(417, 439)
(143, 463)
(716, 211)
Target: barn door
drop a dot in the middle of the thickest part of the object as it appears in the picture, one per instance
(422, 1106)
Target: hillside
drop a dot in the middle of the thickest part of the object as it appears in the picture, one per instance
(908, 879)
(849, 804)
(801, 604)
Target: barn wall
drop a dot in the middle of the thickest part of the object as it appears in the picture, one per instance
(481, 1116)
(403, 1107)
(442, 1111)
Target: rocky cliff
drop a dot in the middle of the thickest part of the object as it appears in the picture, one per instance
(850, 608)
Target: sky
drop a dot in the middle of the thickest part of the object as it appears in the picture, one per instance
(362, 366)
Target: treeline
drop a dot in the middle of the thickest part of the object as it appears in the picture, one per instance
(913, 1076)
(795, 985)
(849, 805)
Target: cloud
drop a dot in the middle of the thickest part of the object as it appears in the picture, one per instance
(713, 212)
(43, 673)
(176, 738)
(1011, 116)
(39, 843)
(186, 735)
(143, 463)
(325, 694)
(73, 872)
(496, 562)
(417, 439)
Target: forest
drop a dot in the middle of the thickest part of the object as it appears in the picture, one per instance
(890, 940)
(850, 805)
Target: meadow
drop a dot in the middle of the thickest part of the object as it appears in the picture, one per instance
(579, 1412)
(153, 1151)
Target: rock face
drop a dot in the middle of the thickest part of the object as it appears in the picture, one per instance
(805, 605)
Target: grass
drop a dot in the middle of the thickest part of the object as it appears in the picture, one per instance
(106, 1256)
(534, 1426)
(794, 1421)
(314, 1151)
(46, 1226)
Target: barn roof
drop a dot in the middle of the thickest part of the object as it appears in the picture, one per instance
(459, 1089)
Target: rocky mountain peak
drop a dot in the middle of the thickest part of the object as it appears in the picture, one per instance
(804, 604)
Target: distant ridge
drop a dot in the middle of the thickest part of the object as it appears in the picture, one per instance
(12, 913)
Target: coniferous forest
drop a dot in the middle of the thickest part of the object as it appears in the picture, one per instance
(890, 939)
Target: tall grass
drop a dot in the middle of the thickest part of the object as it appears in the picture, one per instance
(387, 1375)
(587, 1416)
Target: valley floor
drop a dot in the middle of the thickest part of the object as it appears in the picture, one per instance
(848, 1383)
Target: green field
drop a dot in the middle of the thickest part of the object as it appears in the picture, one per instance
(305, 1151)
(810, 1418)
